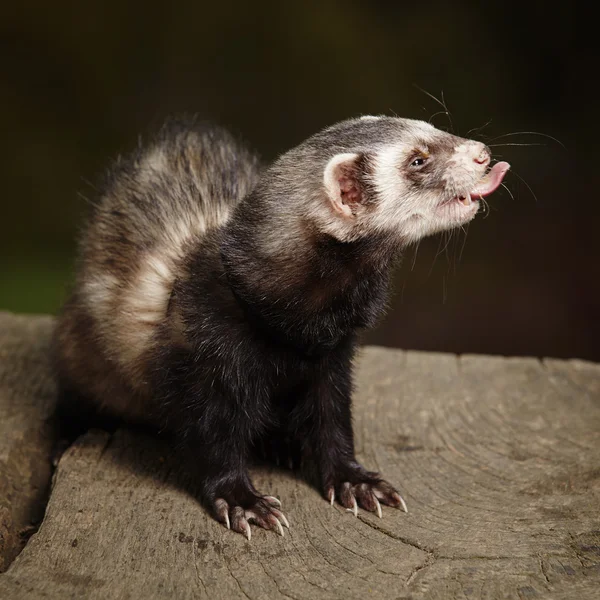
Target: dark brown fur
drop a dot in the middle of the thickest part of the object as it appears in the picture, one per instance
(214, 303)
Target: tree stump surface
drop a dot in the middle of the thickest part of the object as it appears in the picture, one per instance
(27, 432)
(498, 460)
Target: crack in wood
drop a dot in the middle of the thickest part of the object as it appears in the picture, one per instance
(396, 537)
(413, 574)
(543, 570)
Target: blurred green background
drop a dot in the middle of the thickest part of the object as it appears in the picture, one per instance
(81, 81)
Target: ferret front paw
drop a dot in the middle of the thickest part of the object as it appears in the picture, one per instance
(262, 510)
(366, 490)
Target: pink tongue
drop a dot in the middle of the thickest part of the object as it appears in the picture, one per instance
(491, 181)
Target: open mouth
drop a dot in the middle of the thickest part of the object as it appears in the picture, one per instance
(488, 184)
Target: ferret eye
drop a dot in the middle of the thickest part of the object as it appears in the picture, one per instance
(418, 162)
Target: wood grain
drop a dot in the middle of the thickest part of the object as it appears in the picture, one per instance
(498, 460)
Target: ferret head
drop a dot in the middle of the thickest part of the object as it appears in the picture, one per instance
(388, 175)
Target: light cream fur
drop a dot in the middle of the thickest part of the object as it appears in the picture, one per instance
(401, 210)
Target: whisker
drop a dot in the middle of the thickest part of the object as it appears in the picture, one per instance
(456, 245)
(529, 133)
(447, 112)
(486, 208)
(478, 128)
(528, 186)
(489, 209)
(439, 112)
(464, 242)
(452, 260)
(441, 102)
(448, 236)
(404, 280)
(514, 144)
(508, 190)
(441, 238)
(415, 255)
(431, 96)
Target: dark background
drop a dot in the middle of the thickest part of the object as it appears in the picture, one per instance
(80, 81)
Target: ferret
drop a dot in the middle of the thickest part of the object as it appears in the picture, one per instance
(220, 300)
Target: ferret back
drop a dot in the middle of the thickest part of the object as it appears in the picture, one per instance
(153, 207)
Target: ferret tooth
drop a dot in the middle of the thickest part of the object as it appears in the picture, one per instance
(227, 523)
(332, 497)
(354, 507)
(248, 531)
(379, 514)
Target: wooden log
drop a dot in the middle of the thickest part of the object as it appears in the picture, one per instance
(27, 432)
(498, 460)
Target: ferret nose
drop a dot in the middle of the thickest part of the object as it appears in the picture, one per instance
(482, 154)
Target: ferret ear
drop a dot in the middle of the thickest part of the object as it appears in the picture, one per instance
(342, 183)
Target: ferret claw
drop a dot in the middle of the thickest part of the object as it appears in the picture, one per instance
(379, 514)
(279, 528)
(369, 494)
(403, 503)
(283, 518)
(273, 500)
(354, 508)
(262, 513)
(222, 509)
